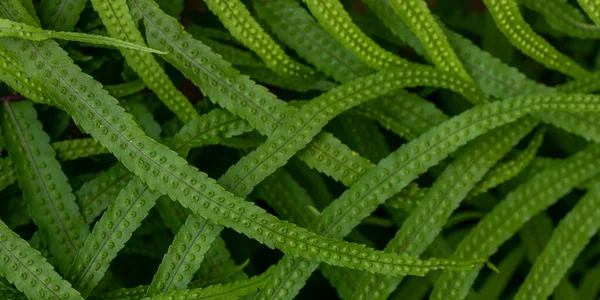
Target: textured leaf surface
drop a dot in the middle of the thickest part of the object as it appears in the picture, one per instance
(28, 270)
(119, 24)
(45, 187)
(237, 19)
(20, 30)
(426, 221)
(542, 190)
(567, 241)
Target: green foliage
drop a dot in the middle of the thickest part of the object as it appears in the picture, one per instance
(140, 138)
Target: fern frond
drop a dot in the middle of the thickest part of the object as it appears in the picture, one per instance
(592, 10)
(45, 187)
(170, 169)
(294, 134)
(287, 197)
(589, 286)
(567, 241)
(507, 170)
(296, 27)
(340, 217)
(427, 220)
(418, 18)
(232, 290)
(28, 270)
(125, 89)
(7, 172)
(119, 24)
(563, 17)
(95, 195)
(237, 19)
(266, 76)
(28, 5)
(60, 14)
(109, 235)
(541, 191)
(77, 148)
(184, 256)
(508, 18)
(24, 31)
(332, 16)
(587, 84)
(133, 203)
(13, 75)
(495, 284)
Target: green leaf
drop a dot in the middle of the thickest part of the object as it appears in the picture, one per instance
(237, 19)
(24, 31)
(46, 190)
(504, 171)
(332, 16)
(60, 14)
(520, 34)
(541, 191)
(297, 28)
(232, 290)
(567, 241)
(119, 24)
(563, 17)
(28, 270)
(427, 220)
(418, 18)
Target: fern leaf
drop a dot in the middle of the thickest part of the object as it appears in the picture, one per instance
(28, 5)
(495, 284)
(404, 113)
(541, 191)
(65, 150)
(589, 286)
(232, 54)
(109, 235)
(170, 169)
(219, 267)
(232, 290)
(132, 204)
(20, 30)
(117, 20)
(332, 16)
(296, 27)
(504, 171)
(520, 34)
(266, 76)
(591, 8)
(237, 19)
(15, 212)
(13, 75)
(298, 131)
(175, 272)
(339, 218)
(45, 187)
(285, 195)
(60, 14)
(77, 148)
(418, 18)
(564, 18)
(567, 241)
(95, 195)
(7, 172)
(587, 84)
(427, 220)
(125, 89)
(220, 82)
(28, 270)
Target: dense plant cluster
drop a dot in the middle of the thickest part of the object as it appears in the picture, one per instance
(315, 149)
